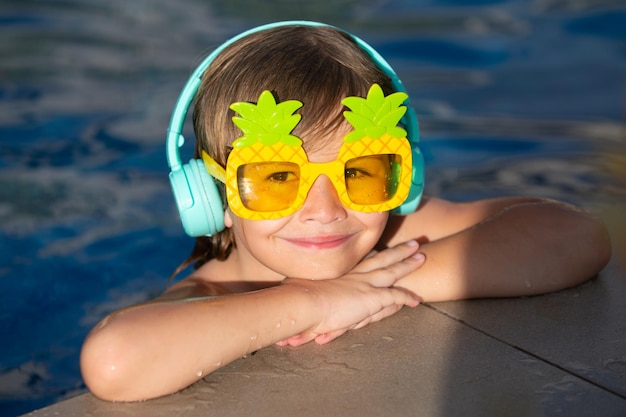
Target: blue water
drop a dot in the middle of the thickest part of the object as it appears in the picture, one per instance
(514, 97)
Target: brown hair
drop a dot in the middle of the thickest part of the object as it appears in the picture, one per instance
(318, 66)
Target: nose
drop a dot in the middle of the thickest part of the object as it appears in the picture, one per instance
(322, 203)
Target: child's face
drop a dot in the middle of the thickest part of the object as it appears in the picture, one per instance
(322, 240)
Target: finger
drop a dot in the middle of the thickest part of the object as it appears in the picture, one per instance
(301, 339)
(404, 297)
(384, 313)
(329, 337)
(387, 257)
(388, 275)
(391, 300)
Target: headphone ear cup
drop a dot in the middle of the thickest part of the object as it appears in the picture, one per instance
(198, 199)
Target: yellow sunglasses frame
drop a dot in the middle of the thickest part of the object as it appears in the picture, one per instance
(310, 171)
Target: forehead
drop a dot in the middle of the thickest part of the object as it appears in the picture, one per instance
(324, 146)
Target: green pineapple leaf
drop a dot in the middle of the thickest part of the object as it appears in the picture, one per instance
(395, 100)
(358, 120)
(248, 126)
(375, 115)
(397, 132)
(267, 122)
(287, 108)
(287, 124)
(247, 110)
(354, 136)
(359, 105)
(392, 117)
(375, 97)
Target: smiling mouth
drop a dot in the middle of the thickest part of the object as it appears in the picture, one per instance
(320, 242)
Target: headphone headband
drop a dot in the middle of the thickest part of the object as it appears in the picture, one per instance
(197, 198)
(174, 132)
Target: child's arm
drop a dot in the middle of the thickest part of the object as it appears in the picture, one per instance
(501, 247)
(160, 347)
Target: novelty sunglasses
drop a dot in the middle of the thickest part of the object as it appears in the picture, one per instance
(268, 174)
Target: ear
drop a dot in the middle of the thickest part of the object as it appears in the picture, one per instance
(228, 220)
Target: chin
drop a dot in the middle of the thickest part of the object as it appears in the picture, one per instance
(318, 272)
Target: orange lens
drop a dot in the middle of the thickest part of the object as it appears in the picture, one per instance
(268, 186)
(373, 179)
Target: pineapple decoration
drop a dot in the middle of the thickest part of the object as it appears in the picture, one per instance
(267, 122)
(266, 128)
(375, 116)
(375, 121)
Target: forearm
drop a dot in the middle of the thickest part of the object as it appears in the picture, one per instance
(159, 348)
(525, 249)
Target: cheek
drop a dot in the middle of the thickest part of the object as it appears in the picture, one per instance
(254, 233)
(374, 223)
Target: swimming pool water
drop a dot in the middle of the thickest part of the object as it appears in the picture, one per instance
(513, 97)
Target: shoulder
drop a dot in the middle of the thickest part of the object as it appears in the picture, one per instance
(194, 287)
(214, 278)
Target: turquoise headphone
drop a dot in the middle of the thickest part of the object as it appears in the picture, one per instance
(197, 197)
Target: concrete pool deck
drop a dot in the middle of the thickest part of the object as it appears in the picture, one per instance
(561, 354)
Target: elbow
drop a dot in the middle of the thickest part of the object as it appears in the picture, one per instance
(106, 365)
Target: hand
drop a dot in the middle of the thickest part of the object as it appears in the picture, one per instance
(362, 296)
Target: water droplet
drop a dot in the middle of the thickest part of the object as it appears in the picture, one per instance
(199, 373)
(277, 325)
(388, 338)
(528, 283)
(293, 322)
(253, 337)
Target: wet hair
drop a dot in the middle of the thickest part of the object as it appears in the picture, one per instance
(318, 66)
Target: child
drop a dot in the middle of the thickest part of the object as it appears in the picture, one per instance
(301, 251)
